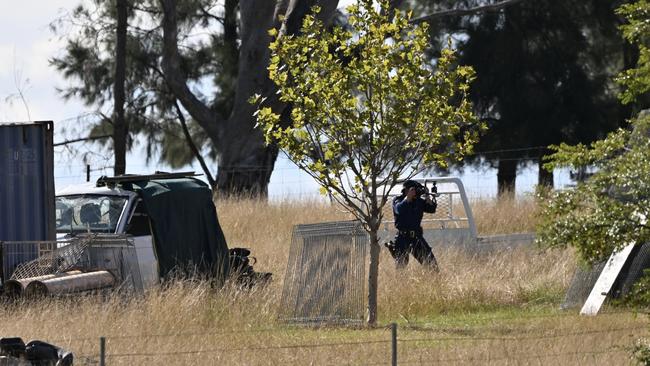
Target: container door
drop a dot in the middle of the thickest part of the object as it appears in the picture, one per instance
(26, 190)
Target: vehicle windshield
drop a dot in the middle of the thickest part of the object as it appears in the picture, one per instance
(88, 213)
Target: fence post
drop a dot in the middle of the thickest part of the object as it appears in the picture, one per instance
(102, 351)
(393, 328)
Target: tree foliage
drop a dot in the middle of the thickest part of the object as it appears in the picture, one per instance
(88, 61)
(207, 56)
(610, 210)
(377, 114)
(368, 109)
(545, 71)
(637, 31)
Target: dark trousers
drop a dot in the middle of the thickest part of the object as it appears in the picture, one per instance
(406, 243)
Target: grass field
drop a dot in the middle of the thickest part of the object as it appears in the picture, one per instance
(497, 309)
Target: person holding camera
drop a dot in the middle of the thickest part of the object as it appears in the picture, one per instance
(408, 210)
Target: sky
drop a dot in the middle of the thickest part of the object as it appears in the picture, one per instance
(26, 44)
(28, 92)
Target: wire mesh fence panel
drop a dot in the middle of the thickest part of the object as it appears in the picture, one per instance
(584, 279)
(65, 257)
(633, 270)
(325, 278)
(582, 282)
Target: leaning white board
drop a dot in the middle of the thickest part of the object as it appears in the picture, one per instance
(608, 275)
(605, 281)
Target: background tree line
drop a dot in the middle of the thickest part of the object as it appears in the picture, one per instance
(180, 74)
(545, 75)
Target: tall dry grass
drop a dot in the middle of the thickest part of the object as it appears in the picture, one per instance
(521, 279)
(492, 309)
(267, 227)
(508, 214)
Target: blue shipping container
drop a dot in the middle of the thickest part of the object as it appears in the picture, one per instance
(26, 186)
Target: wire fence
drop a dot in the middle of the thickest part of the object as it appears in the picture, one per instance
(405, 327)
(407, 346)
(291, 183)
(511, 358)
(287, 181)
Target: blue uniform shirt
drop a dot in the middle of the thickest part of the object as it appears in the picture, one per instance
(408, 215)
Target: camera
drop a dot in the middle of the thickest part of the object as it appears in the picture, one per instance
(421, 190)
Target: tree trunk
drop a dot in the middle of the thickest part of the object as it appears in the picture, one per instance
(120, 127)
(544, 177)
(506, 177)
(245, 163)
(373, 275)
(245, 167)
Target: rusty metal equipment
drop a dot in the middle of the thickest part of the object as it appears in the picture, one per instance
(15, 288)
(70, 283)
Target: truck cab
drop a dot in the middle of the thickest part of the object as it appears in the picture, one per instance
(88, 208)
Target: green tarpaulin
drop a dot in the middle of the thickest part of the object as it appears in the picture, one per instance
(186, 232)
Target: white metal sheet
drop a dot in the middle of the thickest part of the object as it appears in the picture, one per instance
(147, 261)
(605, 281)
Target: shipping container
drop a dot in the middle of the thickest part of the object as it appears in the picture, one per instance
(26, 187)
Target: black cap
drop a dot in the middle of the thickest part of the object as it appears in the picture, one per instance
(409, 184)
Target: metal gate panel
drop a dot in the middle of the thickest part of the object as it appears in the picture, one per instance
(326, 276)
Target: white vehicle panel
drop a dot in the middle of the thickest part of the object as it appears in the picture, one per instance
(147, 261)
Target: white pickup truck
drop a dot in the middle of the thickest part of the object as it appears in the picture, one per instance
(87, 208)
(140, 229)
(453, 223)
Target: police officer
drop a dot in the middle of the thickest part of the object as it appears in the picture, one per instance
(408, 210)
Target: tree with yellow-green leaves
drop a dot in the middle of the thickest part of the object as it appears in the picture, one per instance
(367, 110)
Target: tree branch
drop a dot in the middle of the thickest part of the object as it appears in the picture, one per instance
(120, 126)
(230, 28)
(297, 9)
(192, 145)
(207, 14)
(171, 65)
(82, 139)
(462, 12)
